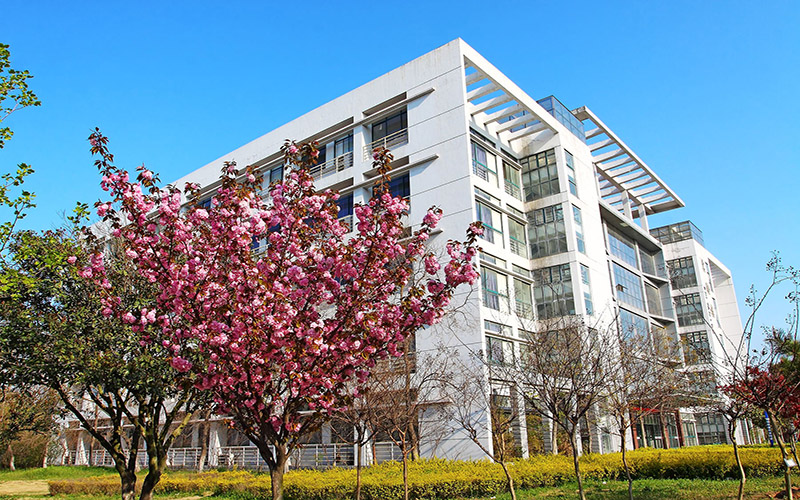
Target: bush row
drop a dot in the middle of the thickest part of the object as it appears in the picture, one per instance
(444, 479)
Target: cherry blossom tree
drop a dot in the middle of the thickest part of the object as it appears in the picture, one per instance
(269, 303)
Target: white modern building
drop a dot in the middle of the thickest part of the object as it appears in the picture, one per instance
(564, 201)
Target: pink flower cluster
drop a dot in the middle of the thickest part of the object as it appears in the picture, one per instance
(301, 322)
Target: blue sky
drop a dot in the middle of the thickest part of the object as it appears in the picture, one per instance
(705, 92)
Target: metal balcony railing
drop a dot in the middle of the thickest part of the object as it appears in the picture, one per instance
(513, 190)
(347, 221)
(323, 456)
(518, 247)
(341, 162)
(387, 452)
(390, 141)
(524, 310)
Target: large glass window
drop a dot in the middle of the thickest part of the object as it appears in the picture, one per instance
(710, 428)
(343, 145)
(633, 325)
(540, 175)
(523, 299)
(587, 290)
(681, 272)
(552, 292)
(499, 351)
(573, 187)
(653, 300)
(345, 204)
(696, 348)
(400, 186)
(484, 164)
(628, 286)
(513, 180)
(622, 247)
(546, 231)
(689, 309)
(492, 223)
(576, 214)
(390, 126)
(495, 288)
(516, 233)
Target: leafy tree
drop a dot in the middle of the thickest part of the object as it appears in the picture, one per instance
(271, 305)
(120, 387)
(14, 95)
(31, 410)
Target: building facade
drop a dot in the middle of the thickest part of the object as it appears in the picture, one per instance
(564, 203)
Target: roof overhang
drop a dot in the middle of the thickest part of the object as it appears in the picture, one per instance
(624, 178)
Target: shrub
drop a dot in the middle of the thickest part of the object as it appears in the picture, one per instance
(446, 479)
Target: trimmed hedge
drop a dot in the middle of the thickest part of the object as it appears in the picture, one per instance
(444, 479)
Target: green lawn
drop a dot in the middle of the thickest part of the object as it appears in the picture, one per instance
(31, 484)
(655, 489)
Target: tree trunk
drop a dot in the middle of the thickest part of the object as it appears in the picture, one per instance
(793, 444)
(509, 480)
(205, 435)
(276, 473)
(576, 463)
(10, 453)
(155, 469)
(554, 437)
(128, 484)
(776, 430)
(625, 464)
(359, 451)
(742, 477)
(405, 473)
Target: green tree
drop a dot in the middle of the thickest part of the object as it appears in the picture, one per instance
(14, 95)
(53, 334)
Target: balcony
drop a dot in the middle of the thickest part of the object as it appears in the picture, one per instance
(513, 190)
(518, 247)
(347, 221)
(524, 310)
(332, 166)
(390, 141)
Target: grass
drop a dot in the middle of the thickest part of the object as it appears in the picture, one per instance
(54, 473)
(654, 489)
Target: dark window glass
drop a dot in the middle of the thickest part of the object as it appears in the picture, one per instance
(389, 126)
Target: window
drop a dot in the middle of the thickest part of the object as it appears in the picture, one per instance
(484, 164)
(492, 259)
(520, 270)
(653, 300)
(546, 231)
(523, 299)
(628, 286)
(496, 328)
(540, 175)
(343, 146)
(689, 310)
(587, 290)
(573, 187)
(492, 223)
(273, 175)
(704, 382)
(391, 129)
(399, 187)
(495, 288)
(345, 204)
(681, 272)
(710, 428)
(632, 325)
(696, 348)
(552, 292)
(576, 213)
(516, 233)
(622, 247)
(512, 180)
(498, 351)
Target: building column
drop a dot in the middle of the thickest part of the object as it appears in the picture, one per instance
(519, 426)
(213, 445)
(549, 441)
